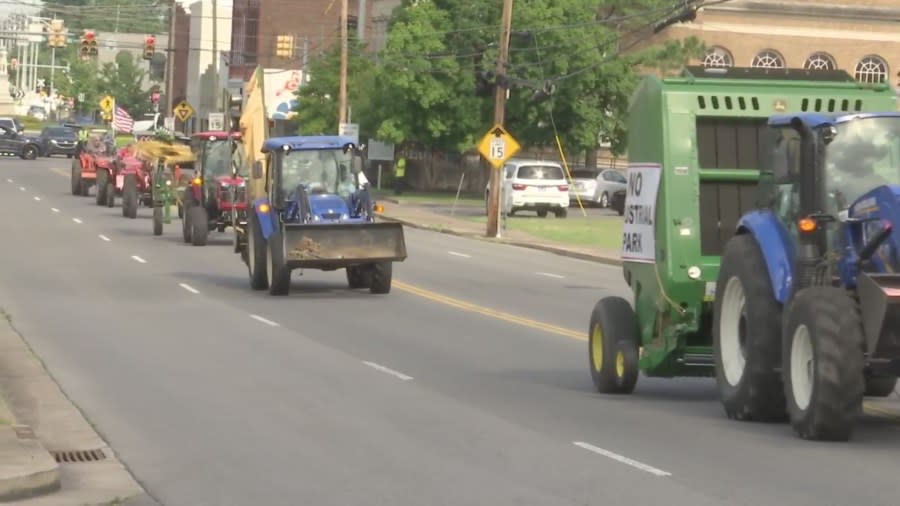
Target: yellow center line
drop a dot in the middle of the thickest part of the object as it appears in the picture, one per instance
(493, 313)
(60, 172)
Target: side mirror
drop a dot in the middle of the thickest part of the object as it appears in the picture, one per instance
(257, 170)
(356, 164)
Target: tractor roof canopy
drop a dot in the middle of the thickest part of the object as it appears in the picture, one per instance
(306, 142)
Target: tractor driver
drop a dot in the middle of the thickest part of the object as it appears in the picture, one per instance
(310, 169)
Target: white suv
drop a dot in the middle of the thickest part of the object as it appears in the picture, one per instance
(533, 185)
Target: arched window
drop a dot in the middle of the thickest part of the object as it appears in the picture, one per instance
(768, 58)
(820, 61)
(718, 57)
(871, 69)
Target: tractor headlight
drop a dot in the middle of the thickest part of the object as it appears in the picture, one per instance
(168, 182)
(694, 272)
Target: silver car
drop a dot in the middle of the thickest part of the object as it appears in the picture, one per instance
(596, 186)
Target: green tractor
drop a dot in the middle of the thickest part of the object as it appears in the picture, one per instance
(696, 145)
(167, 159)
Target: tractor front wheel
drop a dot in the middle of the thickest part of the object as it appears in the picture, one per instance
(199, 224)
(76, 177)
(186, 227)
(823, 363)
(102, 179)
(256, 253)
(356, 277)
(110, 195)
(381, 275)
(880, 386)
(277, 274)
(613, 346)
(157, 220)
(129, 196)
(747, 335)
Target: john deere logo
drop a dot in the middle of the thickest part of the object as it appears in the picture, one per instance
(780, 105)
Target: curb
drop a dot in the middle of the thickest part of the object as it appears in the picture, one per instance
(542, 247)
(27, 468)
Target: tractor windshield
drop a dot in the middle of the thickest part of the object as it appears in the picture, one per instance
(864, 154)
(317, 170)
(217, 159)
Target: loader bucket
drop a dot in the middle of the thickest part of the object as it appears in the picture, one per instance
(337, 245)
(879, 300)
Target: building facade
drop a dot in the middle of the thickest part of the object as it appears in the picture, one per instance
(210, 36)
(857, 36)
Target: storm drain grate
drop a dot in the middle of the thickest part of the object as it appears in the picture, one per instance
(78, 455)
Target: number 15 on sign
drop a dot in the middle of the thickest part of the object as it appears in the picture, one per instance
(497, 146)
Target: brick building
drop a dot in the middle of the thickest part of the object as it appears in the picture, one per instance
(313, 24)
(858, 36)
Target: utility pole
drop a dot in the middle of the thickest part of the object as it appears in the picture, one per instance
(170, 63)
(342, 100)
(500, 91)
(215, 44)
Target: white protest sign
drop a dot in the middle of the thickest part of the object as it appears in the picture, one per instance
(639, 229)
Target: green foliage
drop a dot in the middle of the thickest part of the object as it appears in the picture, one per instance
(121, 79)
(423, 88)
(106, 16)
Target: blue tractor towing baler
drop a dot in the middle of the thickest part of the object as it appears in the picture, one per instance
(807, 306)
(312, 212)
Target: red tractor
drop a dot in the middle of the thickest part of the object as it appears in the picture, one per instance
(95, 165)
(217, 195)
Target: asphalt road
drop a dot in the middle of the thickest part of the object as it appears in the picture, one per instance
(468, 384)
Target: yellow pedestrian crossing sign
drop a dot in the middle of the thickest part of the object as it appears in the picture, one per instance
(183, 111)
(107, 103)
(497, 146)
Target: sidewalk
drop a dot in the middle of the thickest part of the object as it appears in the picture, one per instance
(418, 216)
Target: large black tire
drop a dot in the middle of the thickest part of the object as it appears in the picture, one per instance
(561, 212)
(542, 213)
(102, 179)
(110, 195)
(186, 228)
(823, 363)
(277, 274)
(85, 189)
(76, 177)
(199, 224)
(356, 277)
(613, 341)
(880, 386)
(157, 221)
(256, 253)
(747, 336)
(129, 196)
(381, 275)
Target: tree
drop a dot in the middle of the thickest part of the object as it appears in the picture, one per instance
(123, 80)
(128, 16)
(435, 49)
(317, 110)
(82, 80)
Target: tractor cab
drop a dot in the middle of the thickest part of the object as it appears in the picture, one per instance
(315, 180)
(222, 180)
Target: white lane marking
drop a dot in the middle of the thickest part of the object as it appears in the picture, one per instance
(103, 237)
(264, 320)
(22, 188)
(55, 210)
(188, 287)
(37, 198)
(8, 180)
(454, 253)
(622, 459)
(77, 220)
(549, 275)
(384, 369)
(138, 259)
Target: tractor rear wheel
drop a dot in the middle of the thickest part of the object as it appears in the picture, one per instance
(277, 274)
(381, 274)
(186, 227)
(613, 346)
(880, 386)
(747, 335)
(129, 196)
(157, 220)
(199, 224)
(85, 189)
(76, 177)
(256, 253)
(102, 179)
(823, 363)
(110, 195)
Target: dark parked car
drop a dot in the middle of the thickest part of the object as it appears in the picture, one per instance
(16, 144)
(58, 140)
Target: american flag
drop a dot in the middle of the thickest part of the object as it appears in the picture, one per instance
(122, 121)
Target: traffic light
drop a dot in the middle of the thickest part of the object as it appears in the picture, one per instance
(56, 33)
(149, 47)
(284, 46)
(88, 44)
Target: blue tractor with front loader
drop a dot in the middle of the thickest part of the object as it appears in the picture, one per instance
(807, 300)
